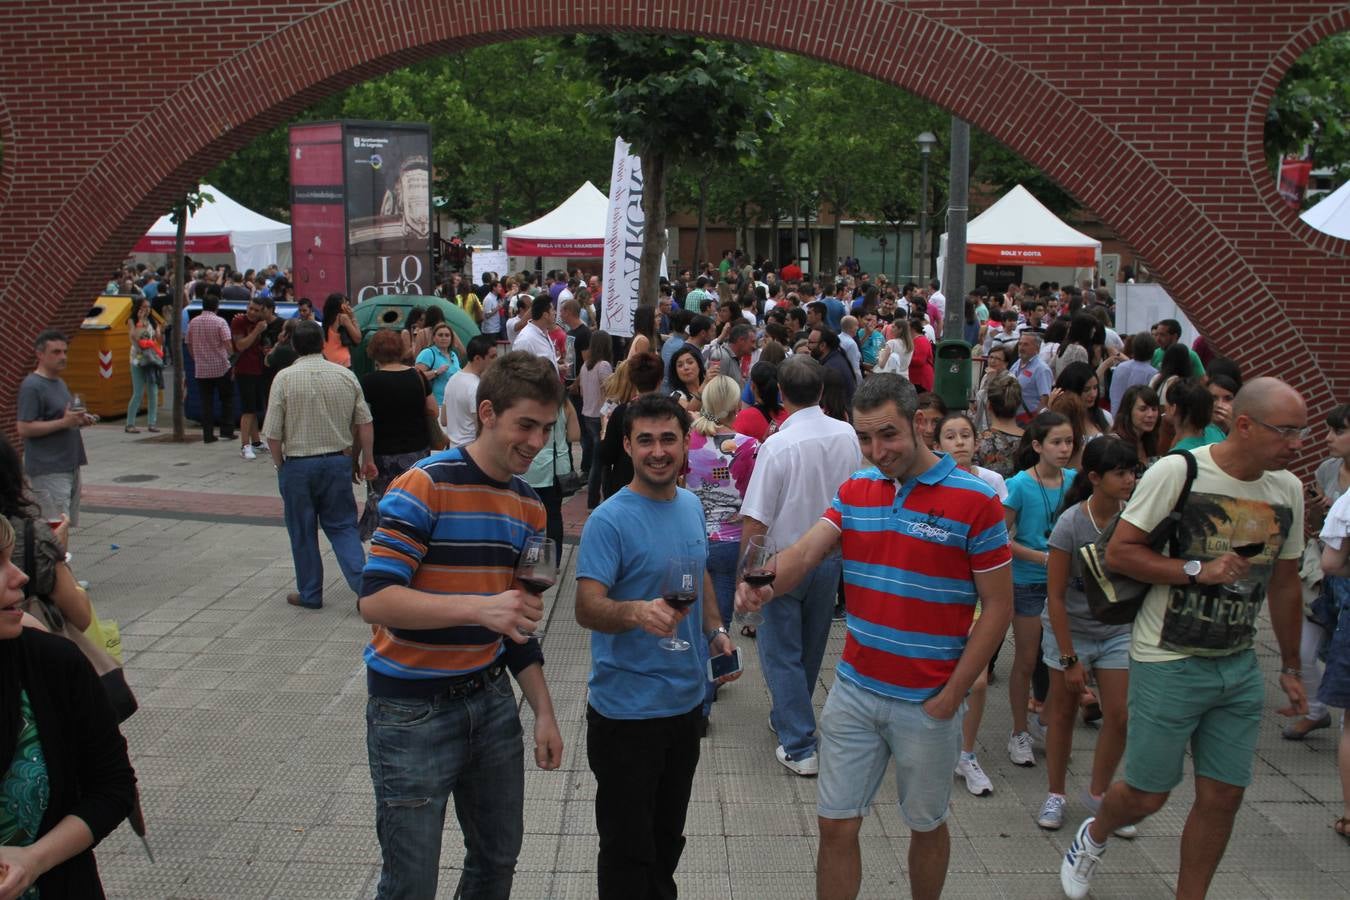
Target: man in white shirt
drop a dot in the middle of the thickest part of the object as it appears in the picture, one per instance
(848, 343)
(797, 473)
(533, 335)
(459, 411)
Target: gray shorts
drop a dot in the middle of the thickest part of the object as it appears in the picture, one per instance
(860, 732)
(57, 493)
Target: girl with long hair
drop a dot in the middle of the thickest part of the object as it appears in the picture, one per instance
(1035, 495)
(644, 332)
(592, 377)
(1187, 413)
(1081, 344)
(146, 347)
(1074, 643)
(898, 349)
(686, 374)
(956, 438)
(340, 331)
(1137, 423)
(1080, 378)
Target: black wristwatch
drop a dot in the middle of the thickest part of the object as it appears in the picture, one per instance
(1067, 661)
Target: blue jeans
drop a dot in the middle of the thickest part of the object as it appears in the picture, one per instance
(316, 492)
(722, 559)
(791, 645)
(143, 384)
(424, 750)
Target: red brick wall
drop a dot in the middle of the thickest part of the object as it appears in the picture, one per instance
(1149, 112)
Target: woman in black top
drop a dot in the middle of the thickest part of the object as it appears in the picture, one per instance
(65, 777)
(403, 412)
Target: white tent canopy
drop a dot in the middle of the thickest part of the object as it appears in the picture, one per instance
(1019, 231)
(575, 229)
(224, 227)
(1332, 215)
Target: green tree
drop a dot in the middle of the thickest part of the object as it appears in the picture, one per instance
(677, 101)
(1311, 108)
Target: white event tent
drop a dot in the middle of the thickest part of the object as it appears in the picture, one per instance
(576, 229)
(1019, 231)
(222, 228)
(1332, 215)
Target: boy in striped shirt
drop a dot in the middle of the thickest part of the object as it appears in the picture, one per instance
(922, 542)
(448, 621)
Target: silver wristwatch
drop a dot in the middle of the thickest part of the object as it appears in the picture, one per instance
(712, 635)
(1192, 569)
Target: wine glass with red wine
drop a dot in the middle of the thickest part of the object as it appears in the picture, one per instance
(1248, 540)
(759, 566)
(680, 590)
(537, 571)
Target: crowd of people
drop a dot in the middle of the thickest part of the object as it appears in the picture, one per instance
(759, 422)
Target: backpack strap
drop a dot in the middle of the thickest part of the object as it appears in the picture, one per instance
(1174, 517)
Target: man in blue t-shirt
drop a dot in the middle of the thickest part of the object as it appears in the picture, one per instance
(644, 717)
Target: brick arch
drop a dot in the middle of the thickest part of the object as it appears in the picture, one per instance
(7, 163)
(1314, 33)
(1068, 91)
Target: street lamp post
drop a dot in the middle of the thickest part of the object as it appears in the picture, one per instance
(882, 243)
(926, 141)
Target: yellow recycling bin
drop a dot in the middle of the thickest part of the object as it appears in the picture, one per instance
(98, 364)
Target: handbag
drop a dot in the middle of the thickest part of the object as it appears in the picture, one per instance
(567, 483)
(1113, 598)
(109, 670)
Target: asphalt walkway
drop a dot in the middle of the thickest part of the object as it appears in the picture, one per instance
(250, 741)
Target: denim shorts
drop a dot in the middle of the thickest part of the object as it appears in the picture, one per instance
(1110, 653)
(1029, 599)
(1211, 704)
(861, 732)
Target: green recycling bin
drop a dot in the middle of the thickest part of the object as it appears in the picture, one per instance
(951, 374)
(390, 312)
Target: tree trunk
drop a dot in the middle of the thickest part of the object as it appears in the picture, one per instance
(774, 236)
(796, 237)
(747, 242)
(179, 332)
(497, 217)
(654, 231)
(810, 266)
(838, 216)
(701, 242)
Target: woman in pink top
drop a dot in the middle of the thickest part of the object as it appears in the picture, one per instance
(763, 417)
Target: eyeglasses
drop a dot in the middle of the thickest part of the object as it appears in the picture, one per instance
(1288, 432)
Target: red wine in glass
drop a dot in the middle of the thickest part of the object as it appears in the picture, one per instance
(684, 575)
(680, 599)
(759, 577)
(537, 571)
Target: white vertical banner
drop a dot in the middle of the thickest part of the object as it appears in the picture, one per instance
(624, 228)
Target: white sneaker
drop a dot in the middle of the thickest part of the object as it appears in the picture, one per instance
(1094, 806)
(246, 452)
(1019, 749)
(977, 782)
(1036, 728)
(1080, 864)
(1052, 812)
(807, 768)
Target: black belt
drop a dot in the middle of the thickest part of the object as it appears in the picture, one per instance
(320, 455)
(467, 685)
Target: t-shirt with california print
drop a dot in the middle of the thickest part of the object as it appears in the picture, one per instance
(1176, 621)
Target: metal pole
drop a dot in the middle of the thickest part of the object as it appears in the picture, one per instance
(954, 272)
(923, 218)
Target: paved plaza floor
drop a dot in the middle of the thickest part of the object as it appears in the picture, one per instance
(250, 741)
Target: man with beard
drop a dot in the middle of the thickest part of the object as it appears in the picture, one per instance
(643, 718)
(450, 619)
(922, 542)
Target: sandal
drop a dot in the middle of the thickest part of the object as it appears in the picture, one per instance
(748, 631)
(1342, 827)
(132, 429)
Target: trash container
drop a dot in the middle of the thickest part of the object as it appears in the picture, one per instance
(390, 312)
(98, 362)
(951, 374)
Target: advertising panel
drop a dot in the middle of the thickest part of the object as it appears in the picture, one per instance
(388, 198)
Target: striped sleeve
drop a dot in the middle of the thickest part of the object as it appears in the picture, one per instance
(987, 540)
(406, 524)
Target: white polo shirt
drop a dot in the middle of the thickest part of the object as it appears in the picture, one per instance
(798, 472)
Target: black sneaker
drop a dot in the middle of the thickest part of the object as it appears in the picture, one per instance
(839, 615)
(258, 445)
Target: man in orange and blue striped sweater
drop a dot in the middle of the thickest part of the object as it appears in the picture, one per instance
(448, 621)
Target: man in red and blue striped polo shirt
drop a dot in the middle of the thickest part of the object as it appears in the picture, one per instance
(922, 542)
